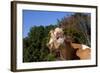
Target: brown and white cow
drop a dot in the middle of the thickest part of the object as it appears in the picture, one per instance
(66, 49)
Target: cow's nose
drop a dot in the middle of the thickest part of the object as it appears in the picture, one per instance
(57, 38)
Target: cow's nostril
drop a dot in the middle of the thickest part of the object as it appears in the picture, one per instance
(57, 38)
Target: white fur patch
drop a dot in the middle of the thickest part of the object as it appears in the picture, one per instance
(84, 46)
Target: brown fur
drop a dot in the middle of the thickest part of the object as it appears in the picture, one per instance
(68, 52)
(84, 54)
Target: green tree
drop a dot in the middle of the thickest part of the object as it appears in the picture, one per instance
(35, 48)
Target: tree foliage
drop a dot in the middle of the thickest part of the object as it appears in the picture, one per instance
(35, 48)
(78, 27)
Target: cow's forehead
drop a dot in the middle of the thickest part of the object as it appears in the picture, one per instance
(58, 30)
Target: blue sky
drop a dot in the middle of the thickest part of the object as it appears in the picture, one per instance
(36, 18)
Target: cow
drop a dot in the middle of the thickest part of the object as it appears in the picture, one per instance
(65, 49)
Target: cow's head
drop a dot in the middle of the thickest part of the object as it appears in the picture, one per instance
(56, 38)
